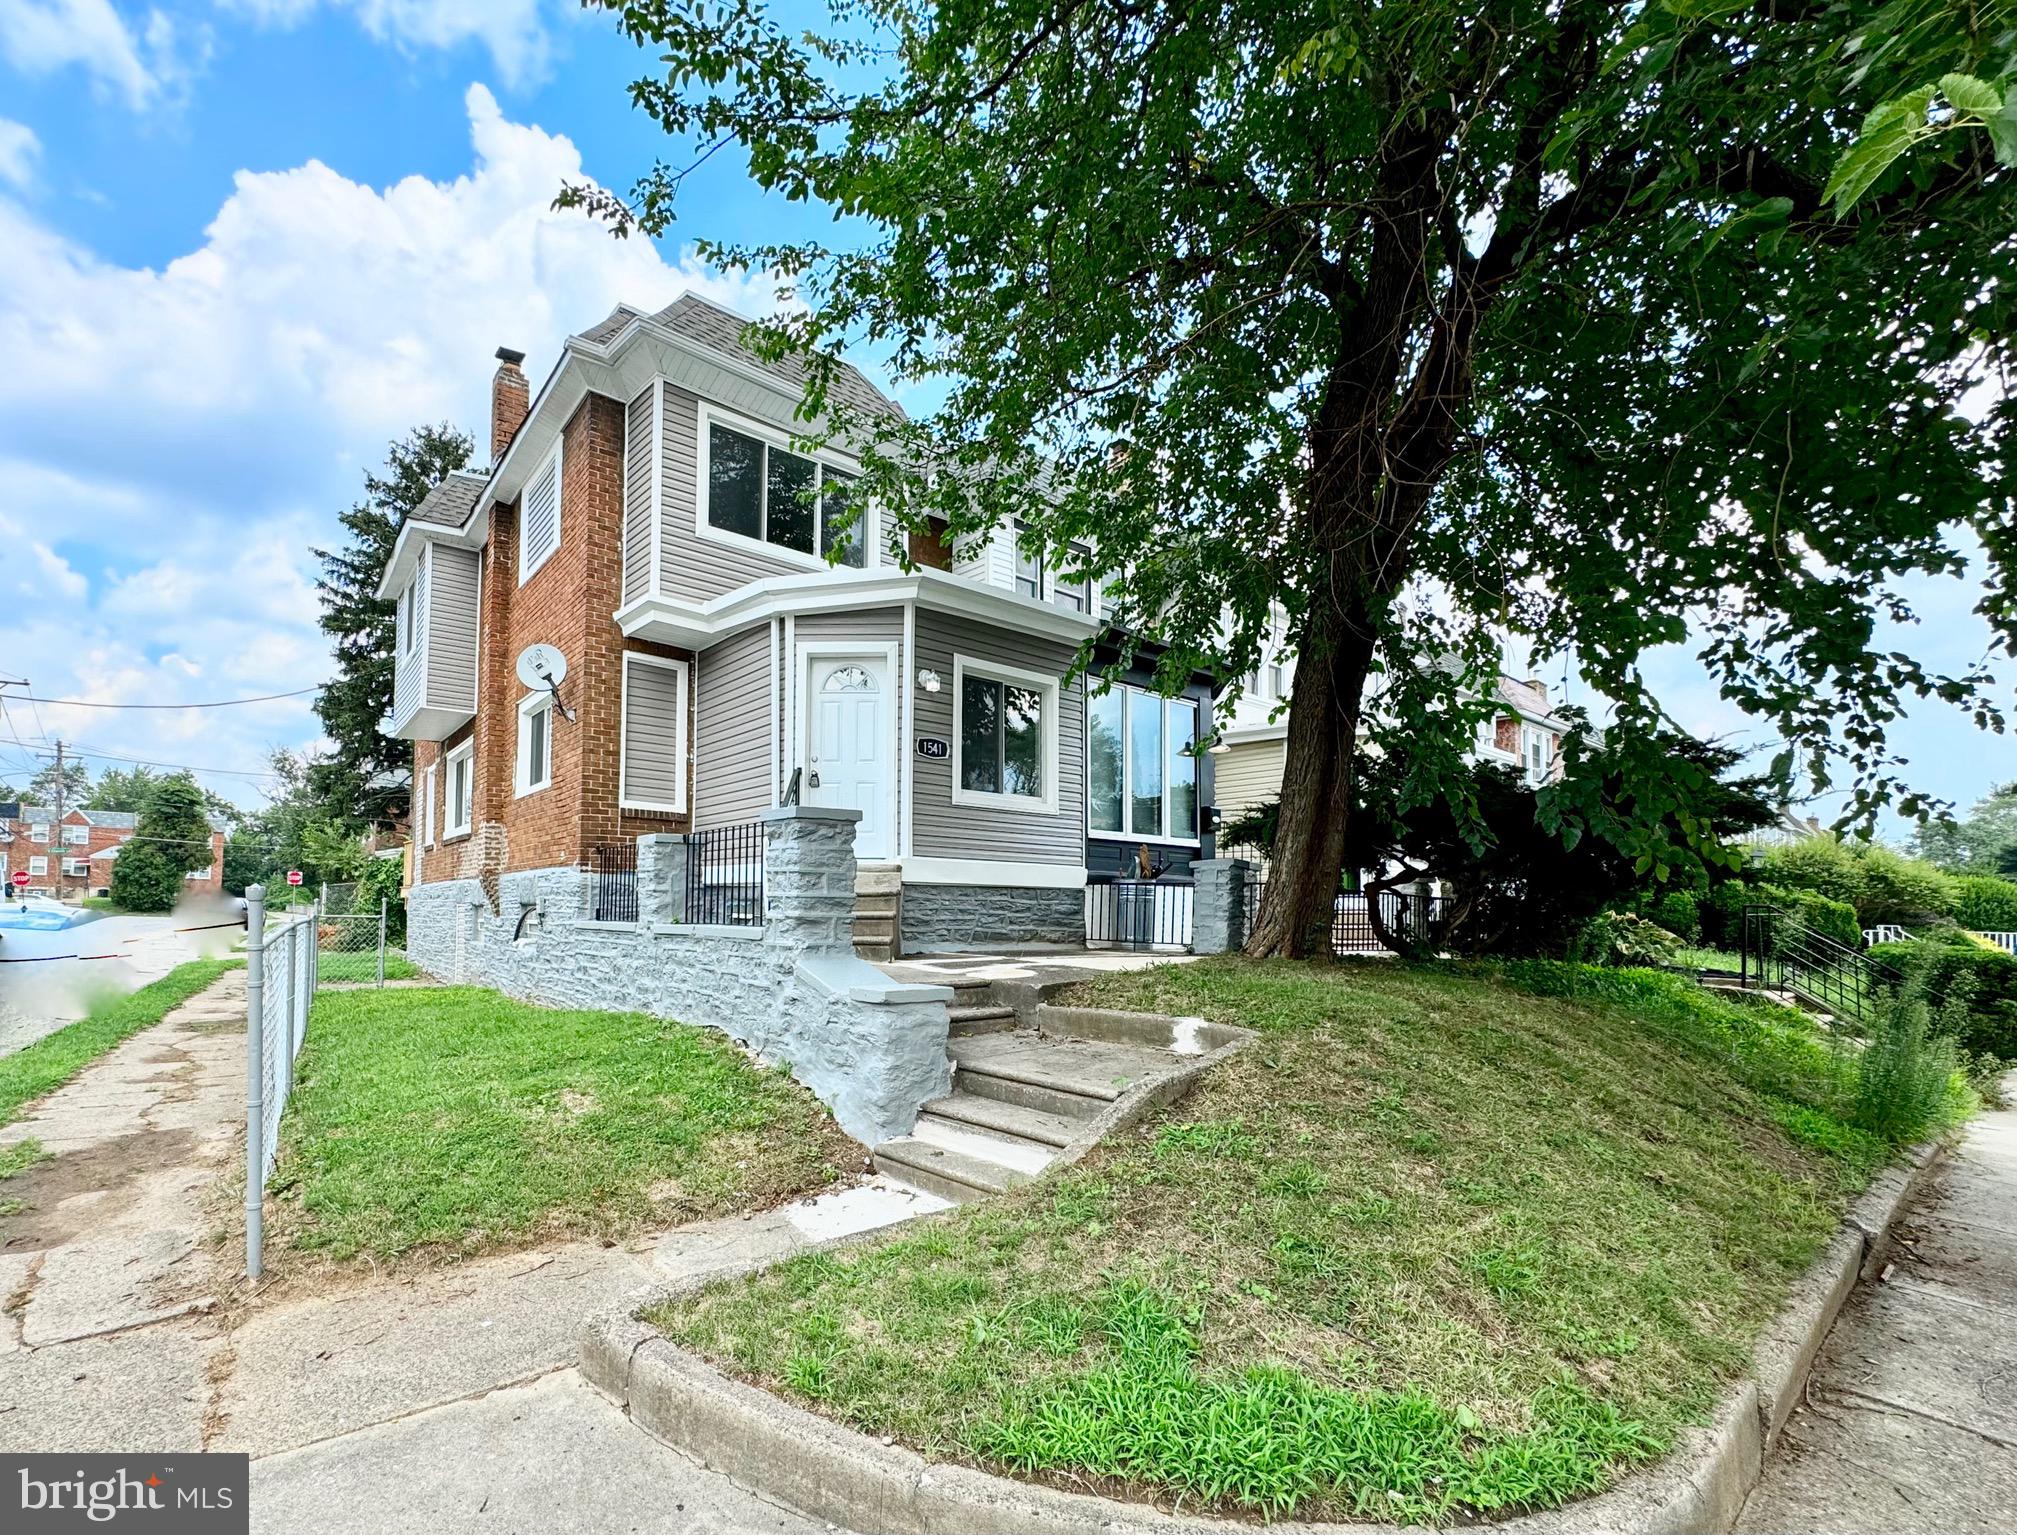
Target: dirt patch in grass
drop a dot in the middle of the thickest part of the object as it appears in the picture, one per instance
(445, 1122)
(1433, 1247)
(111, 1169)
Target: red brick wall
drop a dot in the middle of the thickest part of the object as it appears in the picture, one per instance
(567, 603)
(68, 886)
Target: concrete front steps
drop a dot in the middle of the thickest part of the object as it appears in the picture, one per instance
(1021, 1097)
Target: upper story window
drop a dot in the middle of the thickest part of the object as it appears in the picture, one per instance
(412, 602)
(761, 491)
(1029, 565)
(76, 836)
(1141, 776)
(539, 517)
(38, 831)
(1004, 737)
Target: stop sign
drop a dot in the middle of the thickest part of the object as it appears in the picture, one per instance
(293, 876)
(20, 879)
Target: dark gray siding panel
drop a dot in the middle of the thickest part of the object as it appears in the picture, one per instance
(451, 628)
(733, 740)
(941, 829)
(693, 568)
(639, 418)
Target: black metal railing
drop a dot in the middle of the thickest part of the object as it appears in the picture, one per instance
(1138, 913)
(1777, 951)
(1421, 920)
(724, 876)
(613, 883)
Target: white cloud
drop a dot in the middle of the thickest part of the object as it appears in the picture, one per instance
(216, 413)
(19, 150)
(144, 64)
(512, 30)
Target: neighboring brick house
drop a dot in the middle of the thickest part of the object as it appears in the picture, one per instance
(73, 857)
(643, 519)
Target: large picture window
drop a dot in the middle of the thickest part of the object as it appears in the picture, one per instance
(1004, 737)
(1142, 778)
(760, 491)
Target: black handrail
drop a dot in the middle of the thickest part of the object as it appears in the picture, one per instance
(1777, 950)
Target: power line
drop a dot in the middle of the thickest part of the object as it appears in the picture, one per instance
(222, 703)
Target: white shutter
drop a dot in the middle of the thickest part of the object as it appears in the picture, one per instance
(653, 772)
(539, 519)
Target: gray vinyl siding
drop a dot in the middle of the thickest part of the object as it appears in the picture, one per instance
(941, 829)
(691, 567)
(734, 719)
(654, 745)
(639, 418)
(450, 617)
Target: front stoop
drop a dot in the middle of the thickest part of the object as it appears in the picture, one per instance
(878, 910)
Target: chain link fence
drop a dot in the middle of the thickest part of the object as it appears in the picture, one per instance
(350, 935)
(281, 959)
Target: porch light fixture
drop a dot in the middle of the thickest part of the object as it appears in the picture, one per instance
(929, 680)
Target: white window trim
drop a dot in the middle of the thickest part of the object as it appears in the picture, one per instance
(72, 867)
(38, 866)
(527, 572)
(870, 524)
(38, 831)
(427, 781)
(451, 826)
(995, 671)
(676, 806)
(522, 783)
(76, 836)
(1162, 839)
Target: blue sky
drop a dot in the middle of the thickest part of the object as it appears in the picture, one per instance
(247, 242)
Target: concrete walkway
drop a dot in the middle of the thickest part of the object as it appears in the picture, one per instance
(1911, 1414)
(440, 1400)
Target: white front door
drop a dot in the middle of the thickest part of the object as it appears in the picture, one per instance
(847, 754)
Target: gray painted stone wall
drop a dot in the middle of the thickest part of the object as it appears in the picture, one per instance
(961, 916)
(1219, 908)
(792, 991)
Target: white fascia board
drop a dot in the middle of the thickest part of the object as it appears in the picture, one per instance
(696, 625)
(473, 534)
(1247, 733)
(993, 871)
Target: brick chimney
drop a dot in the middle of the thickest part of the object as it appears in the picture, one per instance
(510, 401)
(1539, 689)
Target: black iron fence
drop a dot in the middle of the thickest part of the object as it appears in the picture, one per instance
(1139, 913)
(613, 883)
(1411, 919)
(1779, 952)
(724, 876)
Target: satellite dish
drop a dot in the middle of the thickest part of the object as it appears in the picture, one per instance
(542, 666)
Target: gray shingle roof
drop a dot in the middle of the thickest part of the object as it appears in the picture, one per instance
(611, 326)
(712, 325)
(449, 504)
(110, 820)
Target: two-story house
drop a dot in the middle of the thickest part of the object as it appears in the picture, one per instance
(72, 855)
(649, 526)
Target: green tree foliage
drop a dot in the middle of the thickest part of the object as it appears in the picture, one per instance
(75, 778)
(121, 788)
(1541, 309)
(171, 837)
(1982, 842)
(360, 626)
(1974, 988)
(1723, 912)
(1521, 885)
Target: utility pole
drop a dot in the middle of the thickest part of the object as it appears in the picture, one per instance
(57, 851)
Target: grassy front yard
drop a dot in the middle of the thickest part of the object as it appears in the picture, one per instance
(350, 967)
(452, 1120)
(1440, 1244)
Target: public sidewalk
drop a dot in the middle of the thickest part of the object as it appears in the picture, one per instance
(1911, 1414)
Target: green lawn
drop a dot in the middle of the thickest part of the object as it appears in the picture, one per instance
(363, 967)
(449, 1120)
(1710, 959)
(46, 1065)
(1442, 1243)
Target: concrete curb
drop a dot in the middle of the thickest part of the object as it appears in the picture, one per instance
(806, 1462)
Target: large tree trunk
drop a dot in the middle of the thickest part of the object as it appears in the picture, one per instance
(1317, 778)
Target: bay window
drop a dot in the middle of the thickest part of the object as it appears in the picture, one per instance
(760, 491)
(1142, 778)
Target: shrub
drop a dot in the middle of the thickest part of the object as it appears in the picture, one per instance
(1619, 938)
(145, 879)
(1881, 884)
(1987, 904)
(1722, 913)
(1679, 913)
(1983, 982)
(1907, 1078)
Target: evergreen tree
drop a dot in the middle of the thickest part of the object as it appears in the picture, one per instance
(353, 702)
(76, 784)
(122, 789)
(1982, 842)
(171, 838)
